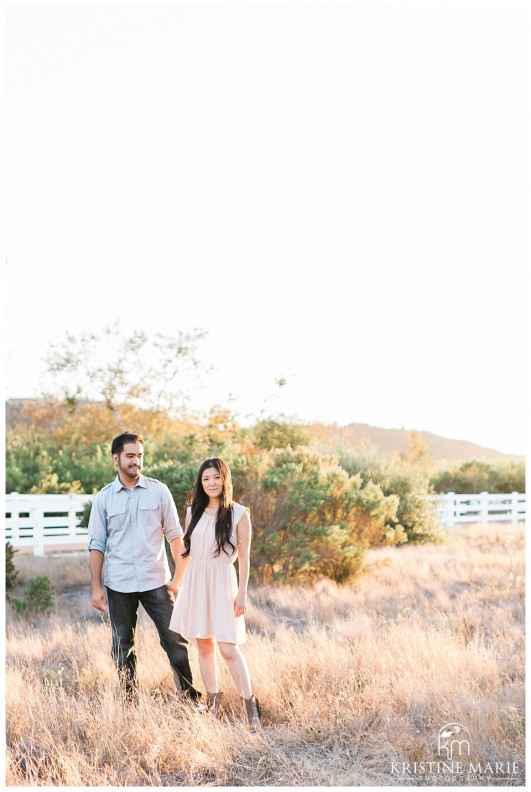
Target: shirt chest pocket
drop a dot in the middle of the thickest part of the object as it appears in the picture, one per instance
(149, 514)
(116, 516)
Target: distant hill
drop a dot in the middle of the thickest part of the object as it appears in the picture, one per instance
(389, 441)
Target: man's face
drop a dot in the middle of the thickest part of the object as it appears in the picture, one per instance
(129, 462)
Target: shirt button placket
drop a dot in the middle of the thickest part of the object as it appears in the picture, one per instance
(132, 523)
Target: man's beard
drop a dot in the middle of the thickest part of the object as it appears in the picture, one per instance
(132, 473)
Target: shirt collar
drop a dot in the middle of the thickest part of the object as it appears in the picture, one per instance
(117, 484)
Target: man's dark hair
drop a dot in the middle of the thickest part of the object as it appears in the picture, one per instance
(126, 437)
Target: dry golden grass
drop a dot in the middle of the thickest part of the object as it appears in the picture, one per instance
(351, 679)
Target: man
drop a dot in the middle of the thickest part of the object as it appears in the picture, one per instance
(128, 521)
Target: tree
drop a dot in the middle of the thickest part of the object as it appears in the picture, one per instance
(269, 433)
(479, 476)
(417, 454)
(118, 368)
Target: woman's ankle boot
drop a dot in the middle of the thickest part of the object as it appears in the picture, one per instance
(252, 708)
(214, 702)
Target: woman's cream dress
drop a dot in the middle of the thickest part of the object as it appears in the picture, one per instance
(205, 604)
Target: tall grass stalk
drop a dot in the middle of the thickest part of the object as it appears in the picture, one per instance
(351, 679)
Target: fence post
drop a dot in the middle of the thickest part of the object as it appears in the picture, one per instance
(15, 519)
(38, 531)
(484, 501)
(72, 514)
(450, 508)
(514, 508)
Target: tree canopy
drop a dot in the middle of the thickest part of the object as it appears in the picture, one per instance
(120, 368)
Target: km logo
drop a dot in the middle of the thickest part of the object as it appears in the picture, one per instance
(453, 741)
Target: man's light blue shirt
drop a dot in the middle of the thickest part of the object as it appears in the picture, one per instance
(128, 527)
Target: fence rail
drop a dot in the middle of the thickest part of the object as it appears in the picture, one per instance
(482, 507)
(40, 521)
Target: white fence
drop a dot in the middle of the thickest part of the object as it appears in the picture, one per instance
(480, 507)
(39, 521)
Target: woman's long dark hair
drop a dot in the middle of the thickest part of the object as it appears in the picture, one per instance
(200, 500)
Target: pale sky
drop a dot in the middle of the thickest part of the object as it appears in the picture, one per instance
(335, 193)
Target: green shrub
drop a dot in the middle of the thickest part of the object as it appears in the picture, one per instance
(268, 434)
(39, 597)
(415, 519)
(478, 476)
(84, 517)
(84, 468)
(310, 518)
(11, 570)
(27, 461)
(179, 478)
(415, 516)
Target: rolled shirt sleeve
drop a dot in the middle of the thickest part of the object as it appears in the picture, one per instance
(170, 519)
(97, 527)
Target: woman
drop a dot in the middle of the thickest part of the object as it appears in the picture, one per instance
(210, 605)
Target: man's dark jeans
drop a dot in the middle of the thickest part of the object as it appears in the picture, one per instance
(123, 612)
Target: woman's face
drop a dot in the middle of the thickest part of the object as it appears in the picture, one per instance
(212, 482)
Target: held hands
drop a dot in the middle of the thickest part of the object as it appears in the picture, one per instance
(240, 604)
(173, 586)
(99, 599)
